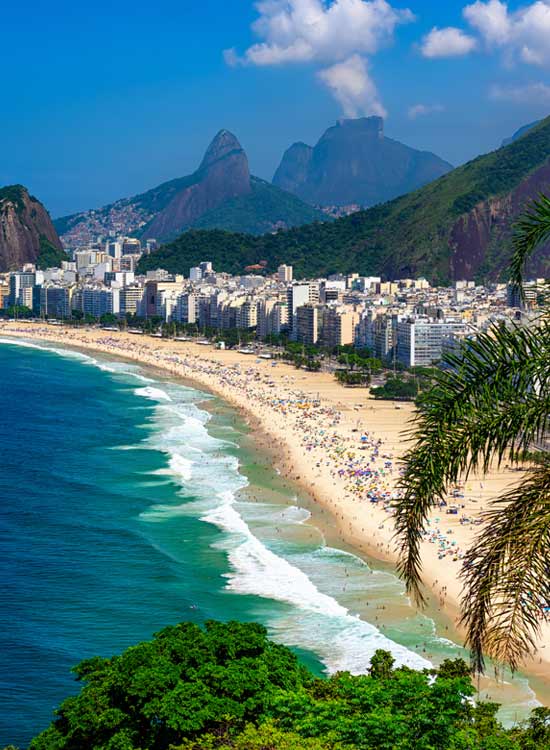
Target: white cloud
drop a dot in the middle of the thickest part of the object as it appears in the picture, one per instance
(521, 35)
(336, 33)
(524, 33)
(353, 87)
(532, 93)
(447, 42)
(491, 19)
(421, 110)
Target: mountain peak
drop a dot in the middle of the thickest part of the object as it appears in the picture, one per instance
(27, 234)
(224, 143)
(363, 125)
(353, 163)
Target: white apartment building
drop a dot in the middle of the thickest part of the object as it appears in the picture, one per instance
(285, 274)
(272, 317)
(297, 296)
(98, 301)
(187, 308)
(130, 299)
(420, 340)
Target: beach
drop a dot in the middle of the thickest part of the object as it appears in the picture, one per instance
(340, 445)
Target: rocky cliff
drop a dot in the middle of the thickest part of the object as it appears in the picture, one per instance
(459, 226)
(220, 194)
(222, 176)
(26, 231)
(354, 163)
(477, 239)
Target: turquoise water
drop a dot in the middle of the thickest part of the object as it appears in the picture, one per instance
(127, 506)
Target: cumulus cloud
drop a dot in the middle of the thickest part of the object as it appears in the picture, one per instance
(491, 19)
(521, 35)
(532, 93)
(421, 110)
(339, 34)
(524, 33)
(353, 87)
(447, 42)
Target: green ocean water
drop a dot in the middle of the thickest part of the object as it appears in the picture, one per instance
(130, 502)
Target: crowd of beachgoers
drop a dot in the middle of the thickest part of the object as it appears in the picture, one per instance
(359, 465)
(344, 454)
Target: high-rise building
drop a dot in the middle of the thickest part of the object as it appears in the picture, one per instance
(55, 300)
(338, 326)
(98, 301)
(130, 299)
(21, 286)
(272, 317)
(531, 290)
(420, 340)
(195, 274)
(285, 273)
(247, 315)
(297, 296)
(308, 324)
(131, 246)
(187, 308)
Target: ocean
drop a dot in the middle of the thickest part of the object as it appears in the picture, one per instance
(130, 502)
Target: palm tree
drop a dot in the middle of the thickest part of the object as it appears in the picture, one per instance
(491, 405)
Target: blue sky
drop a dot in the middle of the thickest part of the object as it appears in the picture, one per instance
(103, 100)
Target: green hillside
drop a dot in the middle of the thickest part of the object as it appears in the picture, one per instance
(409, 235)
(49, 255)
(260, 211)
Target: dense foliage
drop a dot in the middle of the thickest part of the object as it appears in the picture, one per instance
(396, 389)
(228, 687)
(407, 236)
(262, 210)
(14, 194)
(49, 255)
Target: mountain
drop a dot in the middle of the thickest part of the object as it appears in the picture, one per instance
(521, 132)
(457, 227)
(354, 163)
(27, 234)
(221, 193)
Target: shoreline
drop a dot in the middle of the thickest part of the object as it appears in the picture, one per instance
(313, 427)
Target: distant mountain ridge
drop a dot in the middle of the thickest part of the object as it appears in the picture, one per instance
(220, 194)
(27, 234)
(459, 226)
(355, 163)
(520, 133)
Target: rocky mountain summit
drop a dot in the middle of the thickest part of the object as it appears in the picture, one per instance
(27, 234)
(354, 162)
(457, 227)
(221, 194)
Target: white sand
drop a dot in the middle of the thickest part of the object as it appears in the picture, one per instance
(314, 426)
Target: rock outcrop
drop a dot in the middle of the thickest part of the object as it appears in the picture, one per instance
(222, 176)
(26, 229)
(221, 194)
(354, 163)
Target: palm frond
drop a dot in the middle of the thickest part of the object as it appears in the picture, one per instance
(493, 404)
(507, 574)
(530, 231)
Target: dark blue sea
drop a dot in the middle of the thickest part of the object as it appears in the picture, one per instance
(126, 506)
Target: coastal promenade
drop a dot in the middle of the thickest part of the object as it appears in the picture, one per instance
(339, 444)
